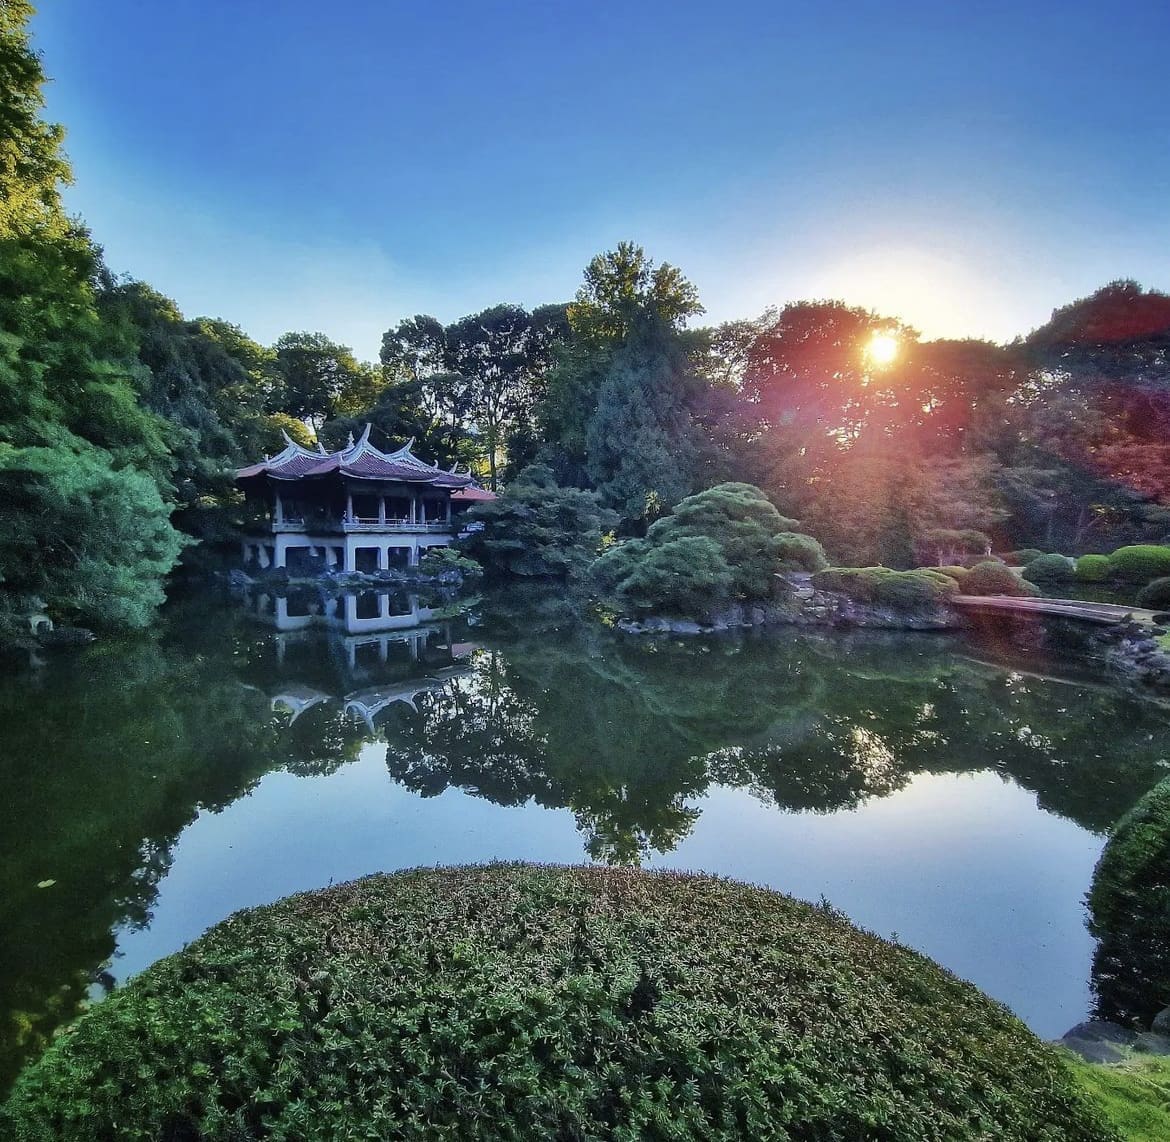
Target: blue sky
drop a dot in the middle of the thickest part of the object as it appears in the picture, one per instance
(298, 165)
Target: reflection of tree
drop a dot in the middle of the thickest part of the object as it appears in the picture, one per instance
(105, 756)
(1129, 913)
(626, 732)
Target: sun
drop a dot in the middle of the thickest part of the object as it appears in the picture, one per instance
(882, 349)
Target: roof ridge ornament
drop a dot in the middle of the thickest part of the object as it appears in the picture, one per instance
(349, 442)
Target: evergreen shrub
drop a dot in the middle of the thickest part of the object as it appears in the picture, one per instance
(1051, 569)
(992, 578)
(1140, 563)
(1093, 568)
(513, 1002)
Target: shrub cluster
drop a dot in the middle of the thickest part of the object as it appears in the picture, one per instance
(516, 1002)
(882, 586)
(441, 560)
(1140, 563)
(1023, 557)
(1155, 595)
(1051, 569)
(537, 529)
(727, 542)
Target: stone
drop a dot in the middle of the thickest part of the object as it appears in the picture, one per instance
(1150, 1043)
(1099, 1041)
(1161, 1022)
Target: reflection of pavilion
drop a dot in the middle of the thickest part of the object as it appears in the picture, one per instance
(353, 612)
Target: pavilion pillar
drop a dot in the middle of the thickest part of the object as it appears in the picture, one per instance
(448, 512)
(279, 506)
(413, 509)
(382, 512)
(349, 507)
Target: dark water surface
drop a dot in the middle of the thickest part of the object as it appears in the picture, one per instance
(152, 786)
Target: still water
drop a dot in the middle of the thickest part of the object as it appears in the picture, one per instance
(238, 753)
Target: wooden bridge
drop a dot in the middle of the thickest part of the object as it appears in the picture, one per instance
(1104, 614)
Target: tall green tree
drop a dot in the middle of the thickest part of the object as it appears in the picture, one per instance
(319, 378)
(71, 421)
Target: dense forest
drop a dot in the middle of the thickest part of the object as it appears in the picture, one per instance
(121, 419)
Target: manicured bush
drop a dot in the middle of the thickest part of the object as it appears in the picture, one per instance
(956, 572)
(1140, 563)
(1051, 569)
(992, 578)
(1155, 595)
(1093, 568)
(515, 1002)
(882, 586)
(686, 576)
(735, 540)
(742, 521)
(798, 552)
(1023, 557)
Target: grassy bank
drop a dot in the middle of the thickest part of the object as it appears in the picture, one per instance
(1134, 1097)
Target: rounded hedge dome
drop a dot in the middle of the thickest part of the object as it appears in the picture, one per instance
(520, 1002)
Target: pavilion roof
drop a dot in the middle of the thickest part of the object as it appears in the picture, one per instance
(358, 460)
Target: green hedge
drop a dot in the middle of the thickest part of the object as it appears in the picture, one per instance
(1051, 569)
(1093, 568)
(1141, 563)
(882, 586)
(516, 1002)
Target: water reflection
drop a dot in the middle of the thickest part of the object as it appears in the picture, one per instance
(108, 757)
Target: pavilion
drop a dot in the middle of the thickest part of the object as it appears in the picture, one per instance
(356, 509)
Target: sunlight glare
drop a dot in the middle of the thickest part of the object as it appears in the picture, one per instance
(882, 349)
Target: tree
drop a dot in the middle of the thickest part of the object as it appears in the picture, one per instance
(481, 374)
(536, 529)
(91, 541)
(320, 378)
(622, 287)
(71, 424)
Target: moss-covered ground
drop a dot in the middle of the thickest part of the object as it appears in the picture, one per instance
(1134, 1096)
(520, 1002)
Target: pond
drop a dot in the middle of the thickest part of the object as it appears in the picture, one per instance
(235, 754)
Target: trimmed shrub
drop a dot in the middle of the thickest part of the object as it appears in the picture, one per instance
(684, 577)
(1023, 557)
(798, 552)
(1093, 568)
(522, 1002)
(1155, 595)
(742, 521)
(992, 578)
(1140, 563)
(882, 586)
(956, 572)
(1051, 569)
